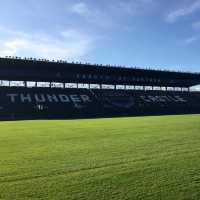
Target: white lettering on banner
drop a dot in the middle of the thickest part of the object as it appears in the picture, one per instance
(153, 99)
(40, 98)
(180, 99)
(75, 98)
(163, 99)
(85, 98)
(145, 99)
(26, 97)
(12, 97)
(50, 98)
(172, 99)
(64, 98)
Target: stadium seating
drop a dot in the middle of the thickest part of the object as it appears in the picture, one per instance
(29, 103)
(148, 102)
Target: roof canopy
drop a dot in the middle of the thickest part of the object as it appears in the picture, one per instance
(37, 70)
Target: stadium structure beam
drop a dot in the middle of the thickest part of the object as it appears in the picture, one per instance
(25, 84)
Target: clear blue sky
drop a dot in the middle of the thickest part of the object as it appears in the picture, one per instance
(144, 33)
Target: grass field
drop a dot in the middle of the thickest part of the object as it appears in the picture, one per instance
(111, 159)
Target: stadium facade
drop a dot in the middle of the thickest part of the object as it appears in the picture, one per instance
(35, 89)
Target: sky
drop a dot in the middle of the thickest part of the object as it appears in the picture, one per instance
(160, 34)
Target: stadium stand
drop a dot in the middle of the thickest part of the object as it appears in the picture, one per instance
(148, 102)
(22, 97)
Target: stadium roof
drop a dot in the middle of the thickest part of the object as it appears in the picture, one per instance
(61, 71)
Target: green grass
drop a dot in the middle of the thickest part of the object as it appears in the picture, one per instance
(111, 159)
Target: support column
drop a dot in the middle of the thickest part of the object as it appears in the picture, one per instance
(25, 84)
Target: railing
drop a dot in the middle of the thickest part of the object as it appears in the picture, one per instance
(33, 84)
